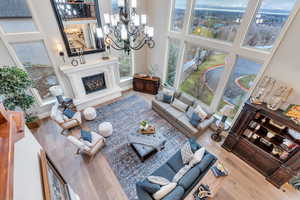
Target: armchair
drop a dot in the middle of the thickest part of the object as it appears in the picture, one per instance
(64, 122)
(86, 147)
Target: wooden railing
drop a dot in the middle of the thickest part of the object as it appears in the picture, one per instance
(11, 130)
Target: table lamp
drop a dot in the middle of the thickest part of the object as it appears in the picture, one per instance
(226, 112)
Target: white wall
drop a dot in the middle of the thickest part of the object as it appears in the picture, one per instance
(285, 63)
(27, 173)
(5, 58)
(159, 18)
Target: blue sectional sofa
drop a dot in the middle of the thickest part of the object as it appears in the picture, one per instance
(145, 189)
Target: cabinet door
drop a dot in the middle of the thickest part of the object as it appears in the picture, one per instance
(138, 85)
(245, 150)
(265, 162)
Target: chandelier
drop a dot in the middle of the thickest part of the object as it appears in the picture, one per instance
(126, 30)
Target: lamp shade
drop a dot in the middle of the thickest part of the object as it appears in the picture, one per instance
(56, 90)
(227, 110)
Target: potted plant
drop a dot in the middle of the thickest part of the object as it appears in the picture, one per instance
(14, 86)
(144, 125)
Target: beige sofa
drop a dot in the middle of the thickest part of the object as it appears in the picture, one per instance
(179, 119)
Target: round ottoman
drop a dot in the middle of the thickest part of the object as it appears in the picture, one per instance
(90, 113)
(105, 129)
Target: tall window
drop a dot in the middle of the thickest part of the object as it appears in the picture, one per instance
(29, 49)
(125, 61)
(173, 54)
(213, 35)
(114, 6)
(268, 22)
(201, 72)
(217, 19)
(15, 17)
(34, 57)
(240, 82)
(178, 15)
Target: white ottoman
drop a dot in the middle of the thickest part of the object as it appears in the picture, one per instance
(105, 129)
(90, 113)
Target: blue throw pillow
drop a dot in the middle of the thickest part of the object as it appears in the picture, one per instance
(167, 98)
(195, 120)
(151, 188)
(85, 135)
(69, 113)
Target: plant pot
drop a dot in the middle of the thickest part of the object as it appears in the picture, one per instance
(33, 125)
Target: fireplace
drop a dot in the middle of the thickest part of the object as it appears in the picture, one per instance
(94, 83)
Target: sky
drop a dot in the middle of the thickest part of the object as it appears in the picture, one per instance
(266, 4)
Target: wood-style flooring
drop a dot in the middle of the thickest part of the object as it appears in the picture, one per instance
(95, 180)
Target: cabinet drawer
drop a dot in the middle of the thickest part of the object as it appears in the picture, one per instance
(265, 162)
(245, 150)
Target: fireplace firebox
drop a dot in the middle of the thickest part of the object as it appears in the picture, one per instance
(94, 83)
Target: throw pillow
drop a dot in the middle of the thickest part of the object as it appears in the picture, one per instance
(190, 112)
(179, 105)
(164, 190)
(158, 180)
(69, 113)
(168, 91)
(85, 135)
(202, 114)
(195, 120)
(159, 96)
(150, 187)
(198, 155)
(186, 153)
(167, 98)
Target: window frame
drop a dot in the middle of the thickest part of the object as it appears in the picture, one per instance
(235, 49)
(133, 54)
(26, 37)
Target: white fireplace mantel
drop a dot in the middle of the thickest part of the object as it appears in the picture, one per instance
(110, 68)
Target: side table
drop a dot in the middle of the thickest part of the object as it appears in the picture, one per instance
(209, 179)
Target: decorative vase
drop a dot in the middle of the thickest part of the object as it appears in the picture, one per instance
(262, 90)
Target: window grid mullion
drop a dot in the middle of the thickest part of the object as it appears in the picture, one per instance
(228, 69)
(180, 63)
(248, 16)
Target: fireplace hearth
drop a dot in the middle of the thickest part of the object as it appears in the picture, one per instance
(94, 83)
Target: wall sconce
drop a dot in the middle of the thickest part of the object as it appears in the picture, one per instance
(60, 51)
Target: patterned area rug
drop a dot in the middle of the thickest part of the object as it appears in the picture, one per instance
(125, 116)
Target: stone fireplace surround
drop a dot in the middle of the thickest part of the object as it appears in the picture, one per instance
(110, 68)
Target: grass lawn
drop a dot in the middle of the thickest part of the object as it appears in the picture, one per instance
(188, 85)
(246, 80)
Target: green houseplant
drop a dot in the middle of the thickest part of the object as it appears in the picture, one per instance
(14, 86)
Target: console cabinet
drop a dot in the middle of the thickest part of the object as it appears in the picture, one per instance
(146, 84)
(261, 138)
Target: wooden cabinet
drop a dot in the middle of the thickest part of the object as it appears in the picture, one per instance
(11, 130)
(250, 140)
(146, 84)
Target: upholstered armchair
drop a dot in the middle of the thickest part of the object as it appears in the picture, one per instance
(63, 121)
(86, 147)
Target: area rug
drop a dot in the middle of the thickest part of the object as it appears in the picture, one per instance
(125, 116)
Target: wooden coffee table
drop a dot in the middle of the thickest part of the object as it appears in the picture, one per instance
(214, 183)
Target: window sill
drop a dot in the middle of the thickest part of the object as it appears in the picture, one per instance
(47, 102)
(122, 80)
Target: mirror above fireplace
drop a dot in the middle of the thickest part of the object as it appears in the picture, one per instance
(77, 21)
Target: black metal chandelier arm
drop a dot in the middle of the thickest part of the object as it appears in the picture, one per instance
(117, 47)
(140, 45)
(151, 43)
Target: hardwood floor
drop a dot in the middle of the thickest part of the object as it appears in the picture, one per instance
(95, 180)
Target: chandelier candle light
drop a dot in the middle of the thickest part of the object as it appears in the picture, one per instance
(126, 30)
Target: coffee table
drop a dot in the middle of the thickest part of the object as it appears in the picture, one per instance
(142, 150)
